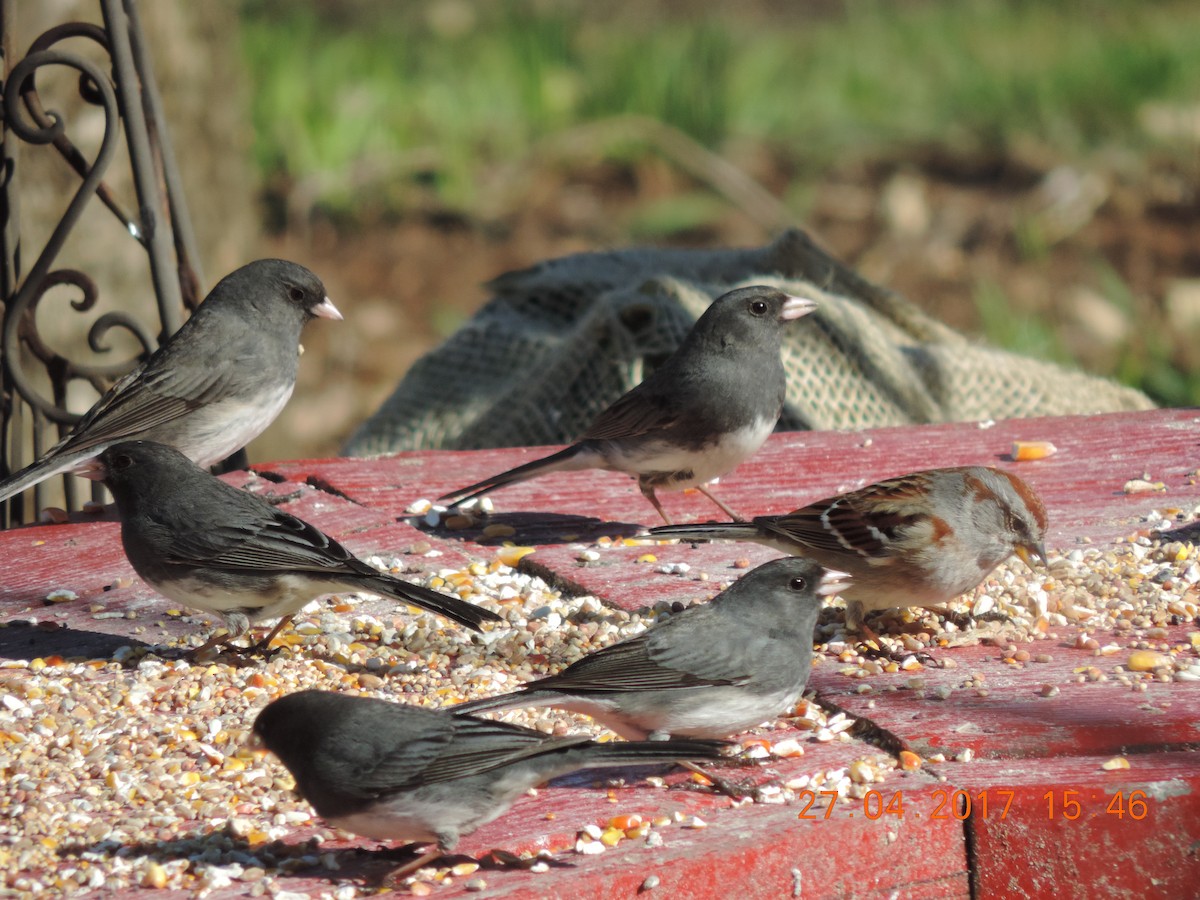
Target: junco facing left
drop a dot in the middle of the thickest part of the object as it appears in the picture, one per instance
(205, 544)
(215, 384)
(706, 409)
(393, 772)
(916, 540)
(713, 670)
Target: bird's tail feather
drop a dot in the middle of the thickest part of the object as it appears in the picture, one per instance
(458, 610)
(560, 461)
(724, 531)
(39, 471)
(513, 700)
(570, 756)
(617, 753)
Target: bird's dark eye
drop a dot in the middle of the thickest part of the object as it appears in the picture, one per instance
(797, 584)
(758, 307)
(121, 461)
(296, 293)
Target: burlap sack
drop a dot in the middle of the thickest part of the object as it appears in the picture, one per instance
(560, 341)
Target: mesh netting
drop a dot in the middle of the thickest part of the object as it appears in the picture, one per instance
(559, 342)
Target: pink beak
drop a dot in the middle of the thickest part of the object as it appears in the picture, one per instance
(91, 469)
(795, 307)
(833, 582)
(326, 310)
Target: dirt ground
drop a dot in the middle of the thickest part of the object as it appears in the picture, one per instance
(939, 230)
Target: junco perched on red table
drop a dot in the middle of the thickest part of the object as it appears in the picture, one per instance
(392, 772)
(706, 409)
(917, 540)
(207, 545)
(715, 669)
(216, 383)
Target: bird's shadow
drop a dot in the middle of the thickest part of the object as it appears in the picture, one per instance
(1184, 533)
(540, 529)
(220, 847)
(303, 859)
(23, 640)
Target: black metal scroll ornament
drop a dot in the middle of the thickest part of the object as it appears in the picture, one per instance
(128, 96)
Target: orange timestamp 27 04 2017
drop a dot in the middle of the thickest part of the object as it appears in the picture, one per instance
(990, 803)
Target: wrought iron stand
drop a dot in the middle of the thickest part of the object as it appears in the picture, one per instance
(129, 97)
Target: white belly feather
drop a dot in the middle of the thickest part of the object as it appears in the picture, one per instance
(713, 461)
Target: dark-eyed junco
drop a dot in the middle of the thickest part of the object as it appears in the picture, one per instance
(393, 772)
(207, 545)
(216, 383)
(713, 670)
(917, 540)
(707, 408)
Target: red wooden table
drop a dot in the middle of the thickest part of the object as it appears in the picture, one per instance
(1042, 819)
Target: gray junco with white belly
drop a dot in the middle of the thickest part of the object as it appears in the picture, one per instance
(216, 383)
(207, 545)
(917, 540)
(706, 409)
(713, 670)
(392, 772)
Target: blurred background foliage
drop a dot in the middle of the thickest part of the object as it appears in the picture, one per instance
(339, 86)
(1026, 169)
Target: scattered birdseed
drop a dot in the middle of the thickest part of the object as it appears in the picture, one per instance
(139, 749)
(1141, 485)
(680, 568)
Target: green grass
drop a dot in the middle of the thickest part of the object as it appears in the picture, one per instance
(1022, 334)
(481, 83)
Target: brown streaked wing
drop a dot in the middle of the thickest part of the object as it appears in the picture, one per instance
(854, 518)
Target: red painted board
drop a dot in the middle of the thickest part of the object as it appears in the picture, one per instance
(1011, 732)
(1074, 830)
(1082, 486)
(900, 850)
(621, 579)
(767, 853)
(1015, 720)
(760, 851)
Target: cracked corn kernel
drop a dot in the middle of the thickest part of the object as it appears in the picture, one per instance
(154, 876)
(1024, 450)
(788, 748)
(1147, 661)
(625, 822)
(510, 556)
(909, 761)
